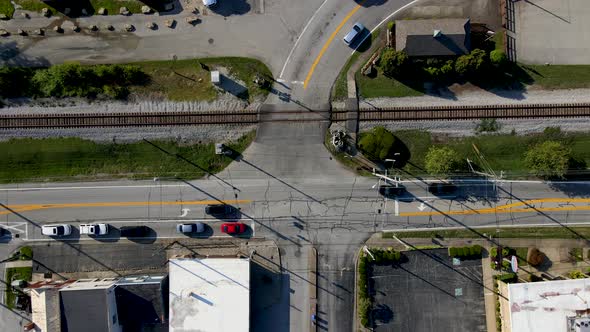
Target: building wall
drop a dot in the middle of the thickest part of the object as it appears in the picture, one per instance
(115, 325)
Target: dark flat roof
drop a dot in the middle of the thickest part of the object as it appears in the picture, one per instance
(416, 37)
(84, 310)
(142, 307)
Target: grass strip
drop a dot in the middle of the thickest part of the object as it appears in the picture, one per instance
(504, 152)
(507, 232)
(340, 89)
(15, 273)
(187, 80)
(59, 159)
(6, 8)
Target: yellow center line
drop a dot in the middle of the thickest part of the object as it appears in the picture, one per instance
(325, 47)
(510, 208)
(32, 207)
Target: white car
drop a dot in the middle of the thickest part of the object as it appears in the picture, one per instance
(210, 3)
(56, 230)
(94, 229)
(190, 228)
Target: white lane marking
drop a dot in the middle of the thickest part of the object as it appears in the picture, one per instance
(252, 225)
(386, 19)
(93, 187)
(297, 82)
(299, 38)
(185, 185)
(184, 212)
(421, 207)
(14, 227)
(396, 207)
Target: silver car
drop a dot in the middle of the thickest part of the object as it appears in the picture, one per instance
(190, 228)
(355, 32)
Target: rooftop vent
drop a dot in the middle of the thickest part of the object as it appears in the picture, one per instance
(437, 34)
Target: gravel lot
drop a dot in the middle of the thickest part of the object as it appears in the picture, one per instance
(462, 128)
(75, 105)
(185, 134)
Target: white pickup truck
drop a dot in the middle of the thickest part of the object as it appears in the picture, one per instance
(94, 229)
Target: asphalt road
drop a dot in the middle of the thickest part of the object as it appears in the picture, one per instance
(333, 214)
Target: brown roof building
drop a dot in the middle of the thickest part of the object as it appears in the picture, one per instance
(441, 37)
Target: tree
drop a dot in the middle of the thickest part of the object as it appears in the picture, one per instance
(377, 144)
(535, 257)
(549, 158)
(442, 161)
(393, 63)
(472, 63)
(576, 274)
(498, 58)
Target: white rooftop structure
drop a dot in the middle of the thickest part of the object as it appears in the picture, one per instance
(210, 294)
(551, 306)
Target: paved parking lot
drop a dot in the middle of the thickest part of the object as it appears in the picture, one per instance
(552, 31)
(429, 293)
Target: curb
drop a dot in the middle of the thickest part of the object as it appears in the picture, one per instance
(313, 284)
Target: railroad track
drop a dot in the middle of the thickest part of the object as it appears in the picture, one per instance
(126, 119)
(475, 112)
(252, 117)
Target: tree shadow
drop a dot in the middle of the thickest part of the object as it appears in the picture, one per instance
(162, 6)
(11, 55)
(71, 8)
(231, 7)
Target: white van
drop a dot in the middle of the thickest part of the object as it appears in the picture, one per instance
(94, 229)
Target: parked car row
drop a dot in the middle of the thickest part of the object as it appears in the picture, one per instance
(61, 230)
(100, 229)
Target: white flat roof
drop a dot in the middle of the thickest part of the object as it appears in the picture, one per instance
(211, 294)
(545, 306)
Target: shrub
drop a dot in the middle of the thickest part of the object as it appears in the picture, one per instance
(393, 63)
(535, 257)
(390, 25)
(549, 158)
(494, 252)
(498, 58)
(442, 161)
(576, 274)
(74, 80)
(377, 144)
(472, 63)
(487, 125)
(507, 277)
(447, 68)
(26, 253)
(363, 277)
(506, 265)
(364, 311)
(465, 252)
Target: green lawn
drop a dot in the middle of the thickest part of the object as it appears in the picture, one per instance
(112, 6)
(186, 80)
(381, 86)
(506, 232)
(26, 253)
(15, 273)
(6, 8)
(559, 76)
(59, 159)
(503, 152)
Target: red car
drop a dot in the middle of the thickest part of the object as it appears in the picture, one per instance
(233, 228)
